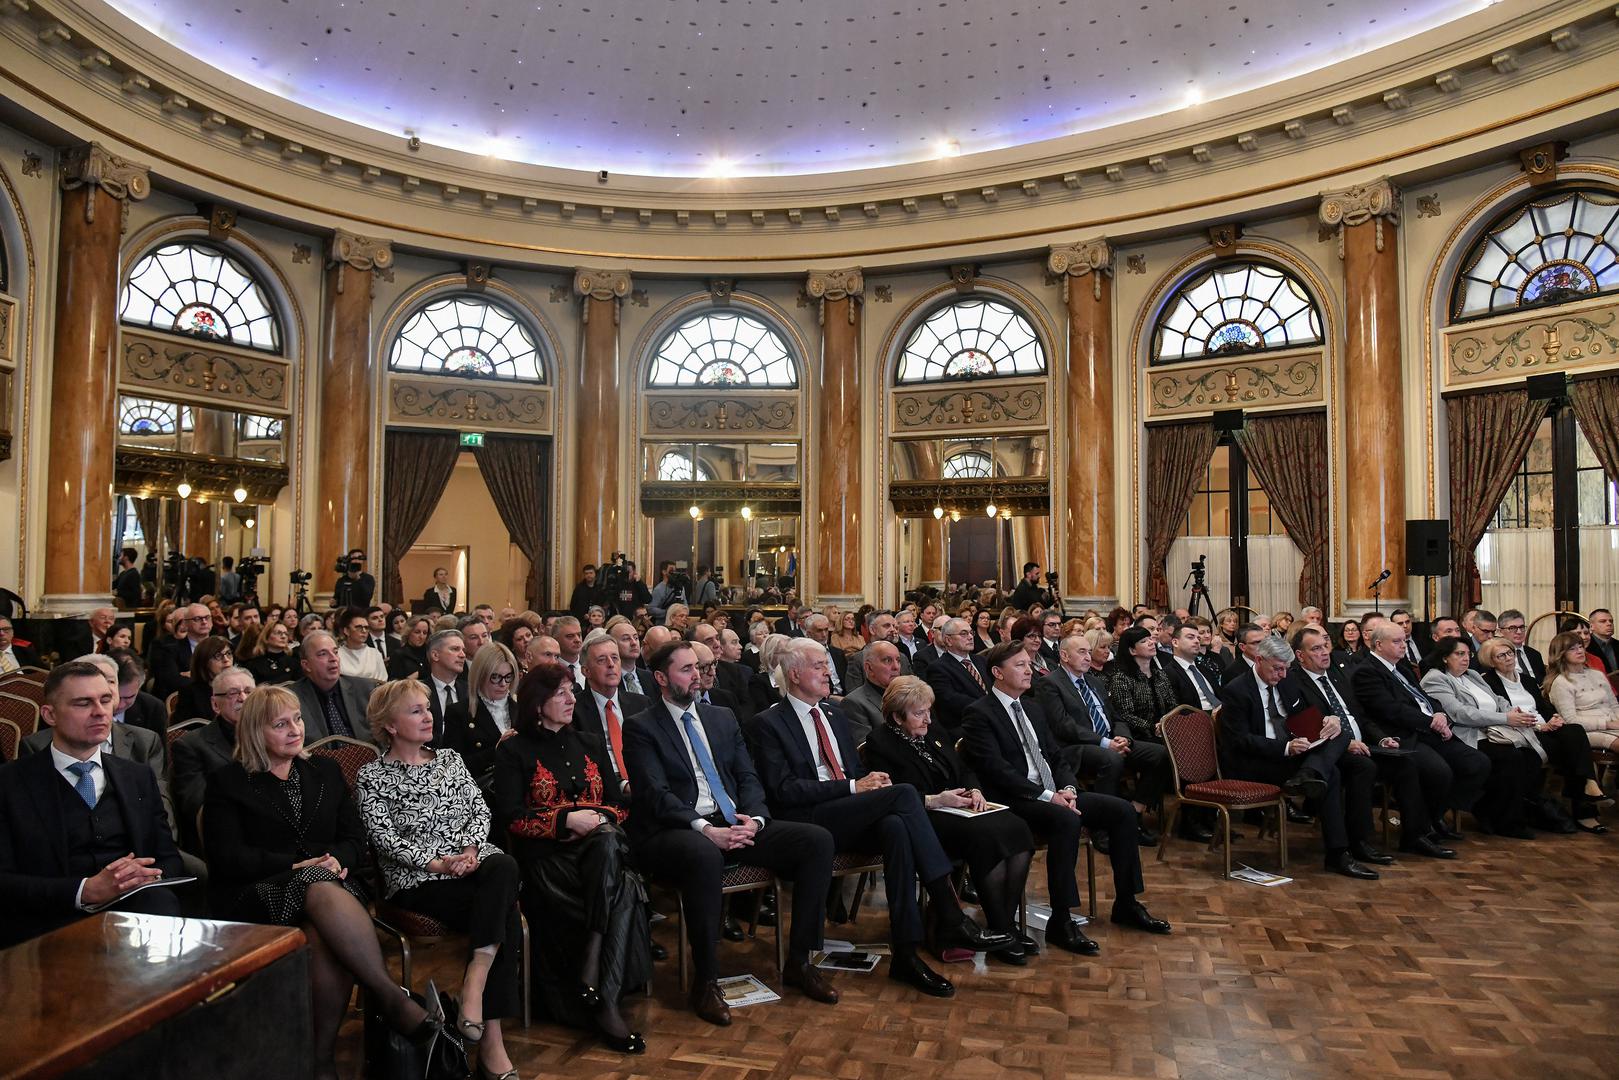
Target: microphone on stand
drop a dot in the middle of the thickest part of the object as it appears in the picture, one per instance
(1384, 576)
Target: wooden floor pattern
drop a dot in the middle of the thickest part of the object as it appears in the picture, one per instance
(1503, 964)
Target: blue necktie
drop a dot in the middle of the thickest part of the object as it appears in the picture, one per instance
(705, 761)
(1416, 695)
(1203, 686)
(85, 786)
(1098, 716)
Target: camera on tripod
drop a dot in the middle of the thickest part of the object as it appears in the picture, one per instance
(613, 574)
(250, 568)
(345, 566)
(300, 577)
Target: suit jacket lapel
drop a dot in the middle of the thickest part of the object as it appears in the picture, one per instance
(666, 725)
(48, 805)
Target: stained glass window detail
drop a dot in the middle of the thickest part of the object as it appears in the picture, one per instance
(723, 348)
(468, 337)
(1549, 250)
(677, 465)
(200, 291)
(143, 416)
(968, 464)
(1236, 308)
(261, 427)
(972, 339)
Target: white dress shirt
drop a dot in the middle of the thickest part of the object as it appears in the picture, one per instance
(1031, 771)
(705, 804)
(1197, 682)
(801, 709)
(445, 692)
(499, 712)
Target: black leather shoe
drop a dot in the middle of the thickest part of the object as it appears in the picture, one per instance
(1070, 938)
(659, 953)
(708, 1003)
(969, 935)
(1134, 913)
(767, 912)
(1198, 834)
(1366, 853)
(808, 979)
(1425, 845)
(1029, 946)
(1346, 865)
(1306, 782)
(910, 969)
(631, 1044)
(1149, 837)
(968, 892)
(1015, 957)
(731, 929)
(1444, 832)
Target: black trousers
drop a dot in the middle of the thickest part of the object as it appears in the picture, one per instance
(1568, 753)
(891, 822)
(1061, 829)
(1512, 771)
(482, 905)
(1147, 763)
(1324, 759)
(799, 852)
(1412, 790)
(1452, 773)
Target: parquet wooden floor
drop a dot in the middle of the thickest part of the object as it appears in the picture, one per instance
(1502, 965)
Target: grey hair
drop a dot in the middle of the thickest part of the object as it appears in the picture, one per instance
(439, 638)
(1274, 648)
(107, 665)
(1384, 631)
(230, 673)
(596, 637)
(952, 626)
(797, 654)
(874, 615)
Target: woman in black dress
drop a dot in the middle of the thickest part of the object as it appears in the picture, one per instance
(474, 726)
(411, 657)
(566, 831)
(196, 700)
(275, 662)
(997, 847)
(281, 833)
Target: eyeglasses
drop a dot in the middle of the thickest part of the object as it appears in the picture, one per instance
(238, 692)
(1511, 628)
(706, 667)
(502, 680)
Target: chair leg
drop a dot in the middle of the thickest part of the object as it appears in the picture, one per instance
(1023, 911)
(1168, 827)
(528, 973)
(1225, 831)
(781, 928)
(1090, 876)
(680, 942)
(758, 902)
(860, 884)
(1281, 834)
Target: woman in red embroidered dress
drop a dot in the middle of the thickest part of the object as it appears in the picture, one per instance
(565, 828)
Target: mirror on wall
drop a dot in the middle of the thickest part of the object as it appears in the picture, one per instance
(970, 550)
(203, 532)
(153, 424)
(775, 463)
(957, 458)
(758, 555)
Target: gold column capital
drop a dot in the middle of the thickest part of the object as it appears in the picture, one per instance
(1375, 202)
(1093, 257)
(847, 283)
(91, 165)
(360, 252)
(611, 285)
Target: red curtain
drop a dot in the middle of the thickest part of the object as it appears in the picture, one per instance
(1177, 458)
(1489, 435)
(1288, 455)
(416, 468)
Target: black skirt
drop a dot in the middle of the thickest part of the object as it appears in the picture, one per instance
(982, 842)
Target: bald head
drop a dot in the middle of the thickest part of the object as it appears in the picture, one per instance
(882, 663)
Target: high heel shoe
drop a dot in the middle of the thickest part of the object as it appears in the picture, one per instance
(481, 1073)
(630, 1044)
(589, 998)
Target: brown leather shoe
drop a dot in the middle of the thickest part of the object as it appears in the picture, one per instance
(808, 978)
(708, 1003)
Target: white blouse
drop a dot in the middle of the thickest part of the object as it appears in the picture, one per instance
(1519, 696)
(1482, 697)
(498, 712)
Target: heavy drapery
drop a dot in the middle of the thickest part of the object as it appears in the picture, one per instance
(416, 468)
(1288, 455)
(1489, 435)
(1177, 457)
(517, 472)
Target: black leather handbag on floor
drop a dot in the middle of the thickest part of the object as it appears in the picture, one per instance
(392, 1056)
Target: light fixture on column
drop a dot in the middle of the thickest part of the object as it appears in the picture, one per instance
(938, 512)
(184, 490)
(240, 494)
(1006, 513)
(747, 513)
(989, 511)
(955, 515)
(249, 523)
(695, 511)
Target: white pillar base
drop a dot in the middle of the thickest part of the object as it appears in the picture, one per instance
(62, 605)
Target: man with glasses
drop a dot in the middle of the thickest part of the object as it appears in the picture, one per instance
(13, 656)
(171, 664)
(199, 752)
(1515, 628)
(958, 678)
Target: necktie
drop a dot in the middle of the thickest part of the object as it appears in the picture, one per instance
(1203, 686)
(632, 682)
(1275, 707)
(573, 674)
(705, 761)
(972, 669)
(1416, 695)
(615, 738)
(1411, 651)
(825, 740)
(704, 698)
(8, 663)
(334, 716)
(85, 786)
(1523, 664)
(1031, 747)
(1098, 714)
(1335, 703)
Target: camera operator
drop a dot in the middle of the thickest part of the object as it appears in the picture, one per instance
(249, 569)
(671, 588)
(230, 582)
(354, 587)
(1028, 592)
(127, 586)
(587, 593)
(622, 587)
(705, 590)
(200, 579)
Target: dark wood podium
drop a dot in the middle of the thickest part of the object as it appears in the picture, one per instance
(144, 997)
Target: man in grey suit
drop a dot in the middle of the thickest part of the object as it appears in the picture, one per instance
(332, 703)
(202, 750)
(863, 708)
(881, 627)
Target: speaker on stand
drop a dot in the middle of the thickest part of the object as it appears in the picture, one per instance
(1427, 554)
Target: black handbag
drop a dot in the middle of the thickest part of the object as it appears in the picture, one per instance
(392, 1056)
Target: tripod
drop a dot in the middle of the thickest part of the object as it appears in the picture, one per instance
(1196, 583)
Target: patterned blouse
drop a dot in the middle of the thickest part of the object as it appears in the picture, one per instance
(414, 814)
(559, 774)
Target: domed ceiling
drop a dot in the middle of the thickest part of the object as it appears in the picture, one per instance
(766, 87)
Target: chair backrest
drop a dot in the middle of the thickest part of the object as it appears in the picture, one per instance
(20, 711)
(172, 736)
(19, 684)
(172, 702)
(10, 739)
(351, 755)
(1189, 738)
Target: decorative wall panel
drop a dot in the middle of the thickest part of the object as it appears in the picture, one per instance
(203, 372)
(8, 332)
(990, 406)
(916, 498)
(1572, 337)
(470, 403)
(774, 415)
(1256, 382)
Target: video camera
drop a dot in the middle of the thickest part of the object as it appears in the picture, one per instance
(613, 574)
(300, 577)
(345, 566)
(250, 568)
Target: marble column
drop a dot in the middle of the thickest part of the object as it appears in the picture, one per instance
(96, 187)
(929, 466)
(342, 449)
(210, 436)
(597, 529)
(1373, 484)
(1088, 562)
(837, 518)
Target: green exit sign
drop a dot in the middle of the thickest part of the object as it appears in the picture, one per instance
(472, 438)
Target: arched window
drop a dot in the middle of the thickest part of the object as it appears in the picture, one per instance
(677, 465)
(261, 427)
(972, 339)
(1549, 250)
(193, 289)
(143, 416)
(470, 337)
(723, 348)
(968, 464)
(1236, 308)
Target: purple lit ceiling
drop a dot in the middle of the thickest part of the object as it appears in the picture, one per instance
(762, 87)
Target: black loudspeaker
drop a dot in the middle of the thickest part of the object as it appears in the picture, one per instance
(1427, 547)
(1227, 420)
(1552, 386)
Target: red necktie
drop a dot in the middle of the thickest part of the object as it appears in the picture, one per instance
(615, 736)
(972, 669)
(825, 740)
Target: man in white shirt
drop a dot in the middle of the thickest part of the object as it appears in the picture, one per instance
(602, 706)
(446, 675)
(1192, 686)
(570, 640)
(355, 655)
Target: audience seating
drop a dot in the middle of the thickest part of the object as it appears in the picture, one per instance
(737, 879)
(10, 739)
(172, 736)
(1189, 736)
(351, 755)
(21, 712)
(21, 684)
(172, 702)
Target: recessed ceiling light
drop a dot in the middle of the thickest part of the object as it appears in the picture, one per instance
(947, 148)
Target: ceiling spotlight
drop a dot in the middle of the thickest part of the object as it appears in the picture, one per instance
(938, 512)
(184, 489)
(747, 513)
(695, 511)
(990, 510)
(1194, 96)
(240, 494)
(947, 148)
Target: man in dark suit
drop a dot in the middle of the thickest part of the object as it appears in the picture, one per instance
(171, 661)
(708, 690)
(698, 806)
(80, 828)
(333, 703)
(1452, 773)
(959, 678)
(1602, 642)
(439, 597)
(1256, 745)
(446, 675)
(1531, 665)
(880, 626)
(12, 655)
(136, 708)
(126, 587)
(602, 705)
(1010, 746)
(812, 772)
(1402, 618)
(818, 628)
(863, 708)
(909, 637)
(1192, 685)
(792, 623)
(732, 675)
(1051, 638)
(202, 750)
(1249, 635)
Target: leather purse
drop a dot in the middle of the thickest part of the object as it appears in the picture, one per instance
(441, 1055)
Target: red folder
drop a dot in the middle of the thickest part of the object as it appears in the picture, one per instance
(1306, 724)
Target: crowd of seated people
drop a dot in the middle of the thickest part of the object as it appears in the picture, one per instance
(558, 765)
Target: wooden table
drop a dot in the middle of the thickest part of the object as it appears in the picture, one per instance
(146, 995)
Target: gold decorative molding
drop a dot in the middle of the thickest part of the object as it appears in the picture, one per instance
(663, 498)
(985, 407)
(730, 414)
(8, 332)
(1374, 202)
(1255, 381)
(221, 222)
(844, 284)
(914, 498)
(1223, 239)
(160, 472)
(203, 372)
(91, 165)
(487, 405)
(1540, 162)
(1093, 257)
(611, 285)
(1564, 338)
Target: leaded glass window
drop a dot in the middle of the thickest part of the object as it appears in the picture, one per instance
(261, 427)
(968, 464)
(1550, 250)
(200, 291)
(677, 465)
(1236, 308)
(469, 337)
(723, 348)
(143, 416)
(972, 339)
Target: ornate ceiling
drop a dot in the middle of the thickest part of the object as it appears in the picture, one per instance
(767, 87)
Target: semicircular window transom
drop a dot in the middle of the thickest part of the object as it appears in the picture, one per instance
(972, 339)
(677, 465)
(1236, 308)
(200, 291)
(1550, 250)
(470, 337)
(147, 416)
(723, 348)
(968, 465)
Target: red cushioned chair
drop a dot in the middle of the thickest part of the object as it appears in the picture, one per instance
(1189, 736)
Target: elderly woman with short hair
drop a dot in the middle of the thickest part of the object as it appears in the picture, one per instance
(429, 825)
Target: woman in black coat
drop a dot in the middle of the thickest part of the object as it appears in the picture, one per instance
(411, 657)
(196, 698)
(997, 847)
(474, 726)
(1137, 686)
(281, 835)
